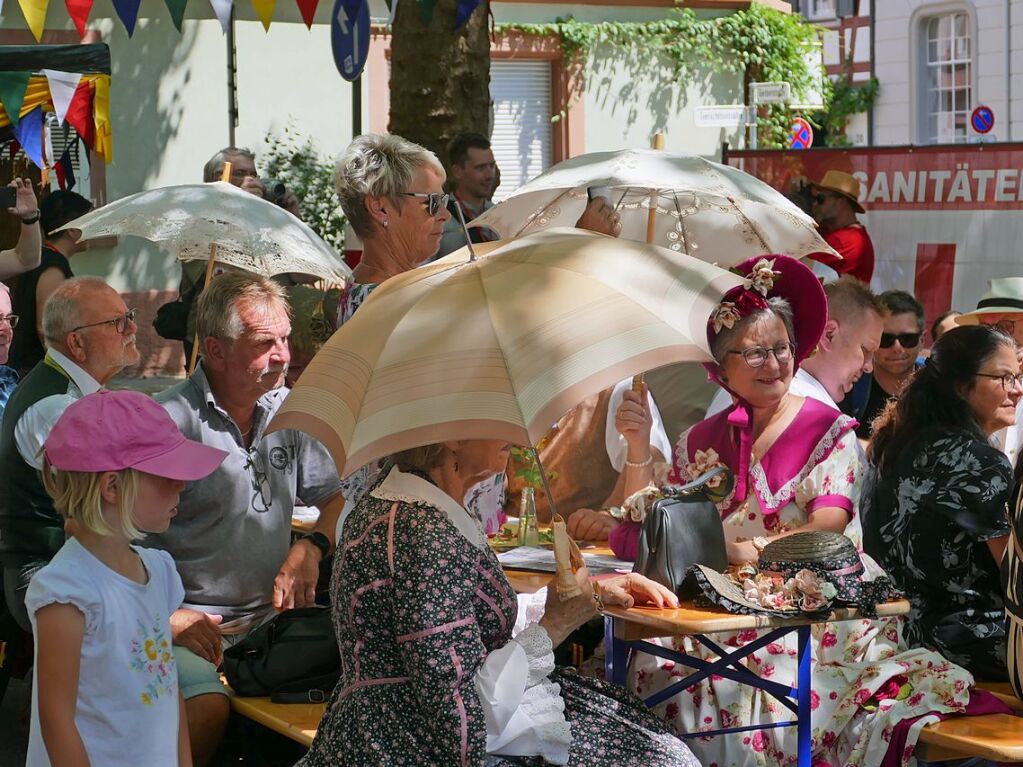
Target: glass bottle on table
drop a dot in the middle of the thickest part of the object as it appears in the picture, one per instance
(529, 534)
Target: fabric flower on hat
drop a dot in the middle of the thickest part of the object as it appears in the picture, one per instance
(725, 316)
(763, 276)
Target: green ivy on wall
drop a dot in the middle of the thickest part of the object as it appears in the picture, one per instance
(758, 44)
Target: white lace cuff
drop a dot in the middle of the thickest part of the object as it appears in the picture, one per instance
(539, 653)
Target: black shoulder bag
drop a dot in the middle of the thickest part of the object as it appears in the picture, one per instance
(684, 529)
(171, 320)
(293, 658)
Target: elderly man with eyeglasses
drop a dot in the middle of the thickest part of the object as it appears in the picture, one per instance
(1002, 307)
(90, 338)
(231, 540)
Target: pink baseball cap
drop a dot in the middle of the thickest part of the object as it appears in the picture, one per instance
(115, 430)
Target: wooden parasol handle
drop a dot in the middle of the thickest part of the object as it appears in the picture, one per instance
(210, 263)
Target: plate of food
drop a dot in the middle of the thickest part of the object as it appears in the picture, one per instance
(508, 537)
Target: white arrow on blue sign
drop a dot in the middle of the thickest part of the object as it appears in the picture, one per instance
(349, 36)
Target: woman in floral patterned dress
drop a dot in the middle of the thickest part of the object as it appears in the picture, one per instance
(937, 523)
(798, 467)
(439, 664)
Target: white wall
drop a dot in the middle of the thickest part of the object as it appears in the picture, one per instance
(897, 51)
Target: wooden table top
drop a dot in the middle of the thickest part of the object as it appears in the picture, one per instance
(645, 622)
(297, 721)
(529, 582)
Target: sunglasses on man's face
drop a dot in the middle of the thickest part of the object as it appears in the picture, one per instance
(906, 340)
(435, 202)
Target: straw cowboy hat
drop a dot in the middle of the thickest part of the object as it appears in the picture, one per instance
(1004, 296)
(844, 184)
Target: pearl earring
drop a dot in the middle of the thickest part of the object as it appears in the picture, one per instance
(385, 223)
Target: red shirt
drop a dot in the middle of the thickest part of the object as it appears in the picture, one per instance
(857, 251)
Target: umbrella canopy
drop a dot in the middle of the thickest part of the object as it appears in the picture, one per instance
(704, 209)
(501, 347)
(249, 232)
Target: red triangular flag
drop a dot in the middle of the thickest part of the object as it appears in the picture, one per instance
(308, 10)
(61, 182)
(79, 114)
(79, 11)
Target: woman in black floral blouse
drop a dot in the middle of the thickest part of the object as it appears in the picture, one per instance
(938, 519)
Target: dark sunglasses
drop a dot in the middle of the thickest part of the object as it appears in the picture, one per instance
(435, 201)
(906, 340)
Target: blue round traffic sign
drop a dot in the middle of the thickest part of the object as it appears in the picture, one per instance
(802, 134)
(349, 36)
(982, 119)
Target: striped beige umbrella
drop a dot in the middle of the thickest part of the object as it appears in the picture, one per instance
(503, 346)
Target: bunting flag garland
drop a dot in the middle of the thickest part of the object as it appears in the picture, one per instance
(35, 15)
(128, 13)
(29, 132)
(12, 93)
(464, 11)
(265, 12)
(79, 11)
(222, 8)
(308, 10)
(62, 89)
(177, 11)
(426, 9)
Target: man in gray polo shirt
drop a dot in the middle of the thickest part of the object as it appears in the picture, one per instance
(231, 539)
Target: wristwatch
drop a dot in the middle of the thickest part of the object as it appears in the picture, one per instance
(319, 540)
(30, 219)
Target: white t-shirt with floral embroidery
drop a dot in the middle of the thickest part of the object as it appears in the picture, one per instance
(128, 681)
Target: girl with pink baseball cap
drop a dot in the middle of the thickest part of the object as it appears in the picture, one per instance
(105, 684)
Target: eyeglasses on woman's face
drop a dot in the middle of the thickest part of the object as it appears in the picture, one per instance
(435, 202)
(120, 322)
(1007, 380)
(906, 340)
(756, 356)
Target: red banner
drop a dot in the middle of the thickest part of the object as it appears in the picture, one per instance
(944, 219)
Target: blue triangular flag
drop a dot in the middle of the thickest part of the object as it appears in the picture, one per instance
(29, 132)
(128, 13)
(465, 9)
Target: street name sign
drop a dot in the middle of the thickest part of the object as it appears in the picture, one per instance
(720, 116)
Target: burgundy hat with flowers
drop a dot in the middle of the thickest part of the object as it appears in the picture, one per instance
(777, 277)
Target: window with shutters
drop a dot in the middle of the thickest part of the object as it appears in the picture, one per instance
(522, 135)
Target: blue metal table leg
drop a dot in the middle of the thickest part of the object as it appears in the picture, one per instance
(803, 690)
(616, 655)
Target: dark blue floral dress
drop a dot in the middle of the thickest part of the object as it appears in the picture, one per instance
(928, 526)
(417, 610)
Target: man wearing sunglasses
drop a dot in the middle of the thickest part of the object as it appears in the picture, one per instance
(90, 338)
(894, 363)
(1002, 307)
(834, 205)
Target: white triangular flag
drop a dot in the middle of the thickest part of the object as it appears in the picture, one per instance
(223, 10)
(62, 90)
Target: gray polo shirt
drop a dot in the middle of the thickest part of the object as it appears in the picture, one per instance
(233, 528)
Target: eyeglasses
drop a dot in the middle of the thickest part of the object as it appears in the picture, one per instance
(120, 322)
(262, 494)
(1007, 380)
(756, 356)
(906, 340)
(10, 319)
(435, 201)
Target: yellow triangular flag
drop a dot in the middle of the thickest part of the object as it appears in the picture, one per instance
(35, 15)
(265, 11)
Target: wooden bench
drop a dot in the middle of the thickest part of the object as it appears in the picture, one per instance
(992, 736)
(297, 721)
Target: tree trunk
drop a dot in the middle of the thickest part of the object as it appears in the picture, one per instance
(440, 80)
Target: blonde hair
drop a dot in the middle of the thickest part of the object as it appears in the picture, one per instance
(76, 497)
(218, 311)
(420, 458)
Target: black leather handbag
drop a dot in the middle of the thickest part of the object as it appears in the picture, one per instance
(684, 529)
(293, 658)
